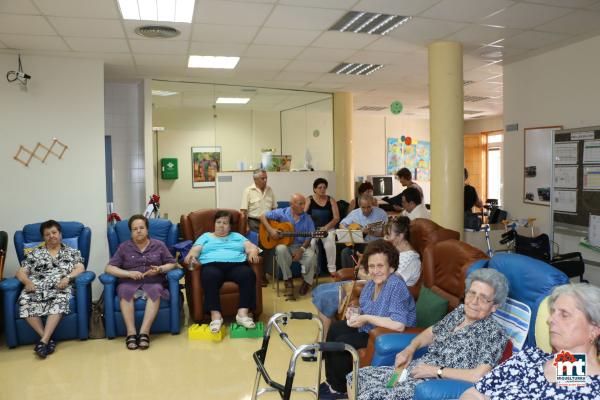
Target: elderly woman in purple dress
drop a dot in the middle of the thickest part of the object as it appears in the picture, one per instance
(140, 264)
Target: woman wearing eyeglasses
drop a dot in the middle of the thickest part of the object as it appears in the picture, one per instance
(465, 345)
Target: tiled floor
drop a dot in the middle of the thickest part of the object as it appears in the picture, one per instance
(173, 368)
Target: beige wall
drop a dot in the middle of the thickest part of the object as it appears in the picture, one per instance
(476, 126)
(241, 135)
(65, 99)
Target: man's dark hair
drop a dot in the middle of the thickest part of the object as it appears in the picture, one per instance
(49, 224)
(223, 213)
(384, 247)
(363, 187)
(466, 174)
(412, 194)
(404, 173)
(137, 216)
(318, 181)
(398, 225)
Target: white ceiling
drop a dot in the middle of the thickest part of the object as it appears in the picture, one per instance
(285, 43)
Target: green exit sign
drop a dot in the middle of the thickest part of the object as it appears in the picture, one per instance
(168, 168)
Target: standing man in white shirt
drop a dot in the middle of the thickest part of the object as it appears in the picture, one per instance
(405, 177)
(257, 199)
(413, 207)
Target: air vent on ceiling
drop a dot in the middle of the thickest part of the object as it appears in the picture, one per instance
(474, 99)
(157, 31)
(368, 22)
(355, 69)
(372, 108)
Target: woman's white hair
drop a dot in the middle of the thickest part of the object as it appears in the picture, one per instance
(492, 277)
(587, 300)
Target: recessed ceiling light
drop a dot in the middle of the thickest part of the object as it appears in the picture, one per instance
(212, 62)
(355, 69)
(163, 93)
(158, 10)
(368, 22)
(233, 100)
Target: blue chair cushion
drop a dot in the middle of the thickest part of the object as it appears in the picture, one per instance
(139, 304)
(31, 232)
(71, 242)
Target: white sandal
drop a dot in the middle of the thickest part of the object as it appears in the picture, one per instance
(246, 322)
(215, 325)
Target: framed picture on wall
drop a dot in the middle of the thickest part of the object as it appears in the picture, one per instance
(206, 162)
(537, 171)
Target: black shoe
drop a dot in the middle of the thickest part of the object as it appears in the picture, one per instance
(51, 346)
(325, 393)
(41, 349)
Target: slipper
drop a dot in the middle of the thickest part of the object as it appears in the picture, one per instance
(51, 346)
(131, 342)
(246, 322)
(41, 349)
(215, 325)
(143, 341)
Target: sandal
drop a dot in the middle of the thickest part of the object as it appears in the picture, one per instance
(143, 341)
(215, 325)
(41, 349)
(51, 346)
(131, 342)
(246, 322)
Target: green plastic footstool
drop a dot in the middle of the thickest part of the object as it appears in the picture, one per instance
(239, 332)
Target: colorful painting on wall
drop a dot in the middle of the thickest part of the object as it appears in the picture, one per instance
(206, 162)
(414, 155)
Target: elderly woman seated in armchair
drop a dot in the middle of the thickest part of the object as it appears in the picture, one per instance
(465, 345)
(140, 264)
(574, 324)
(47, 274)
(224, 255)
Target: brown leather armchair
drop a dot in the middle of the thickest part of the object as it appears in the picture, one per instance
(192, 226)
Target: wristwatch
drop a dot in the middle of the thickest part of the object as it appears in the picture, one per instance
(439, 372)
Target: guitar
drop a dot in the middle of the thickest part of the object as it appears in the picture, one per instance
(370, 228)
(286, 233)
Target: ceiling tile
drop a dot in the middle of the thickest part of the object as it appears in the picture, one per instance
(303, 18)
(25, 24)
(30, 42)
(482, 34)
(575, 23)
(159, 46)
(161, 60)
(78, 8)
(223, 33)
(466, 10)
(108, 58)
(311, 66)
(99, 28)
(423, 30)
(261, 50)
(18, 7)
(101, 45)
(217, 49)
(388, 43)
(161, 71)
(376, 57)
(404, 7)
(565, 3)
(112, 72)
(525, 16)
(344, 40)
(534, 39)
(298, 76)
(255, 74)
(184, 29)
(324, 54)
(595, 7)
(231, 13)
(284, 37)
(211, 75)
(262, 63)
(324, 86)
(338, 4)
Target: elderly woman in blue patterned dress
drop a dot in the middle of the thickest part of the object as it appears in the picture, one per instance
(384, 301)
(574, 324)
(141, 264)
(465, 345)
(47, 273)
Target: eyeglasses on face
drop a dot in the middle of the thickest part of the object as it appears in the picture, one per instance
(470, 295)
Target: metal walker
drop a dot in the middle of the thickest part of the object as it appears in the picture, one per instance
(308, 352)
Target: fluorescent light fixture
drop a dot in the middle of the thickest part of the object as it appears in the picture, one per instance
(163, 93)
(355, 69)
(212, 62)
(368, 22)
(233, 100)
(158, 10)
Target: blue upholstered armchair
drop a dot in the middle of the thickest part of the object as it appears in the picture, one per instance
(530, 282)
(75, 324)
(168, 318)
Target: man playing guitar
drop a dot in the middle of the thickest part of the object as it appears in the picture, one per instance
(300, 250)
(370, 219)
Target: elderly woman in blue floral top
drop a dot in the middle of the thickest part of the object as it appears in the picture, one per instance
(47, 273)
(574, 324)
(384, 301)
(465, 345)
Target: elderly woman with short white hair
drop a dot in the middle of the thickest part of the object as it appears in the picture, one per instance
(574, 324)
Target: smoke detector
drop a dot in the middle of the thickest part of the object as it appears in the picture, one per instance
(157, 31)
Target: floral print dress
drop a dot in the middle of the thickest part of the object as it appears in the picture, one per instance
(45, 272)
